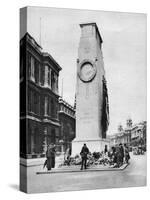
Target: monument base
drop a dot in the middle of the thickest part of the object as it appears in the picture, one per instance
(94, 145)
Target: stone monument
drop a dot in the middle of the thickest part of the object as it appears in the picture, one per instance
(91, 92)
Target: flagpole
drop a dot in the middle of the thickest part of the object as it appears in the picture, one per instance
(40, 32)
(62, 88)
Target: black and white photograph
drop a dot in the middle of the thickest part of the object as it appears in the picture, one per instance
(83, 99)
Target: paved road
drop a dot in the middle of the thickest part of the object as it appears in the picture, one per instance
(133, 175)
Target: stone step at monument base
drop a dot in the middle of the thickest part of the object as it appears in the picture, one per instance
(94, 145)
(76, 168)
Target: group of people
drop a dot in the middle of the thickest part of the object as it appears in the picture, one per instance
(84, 155)
(50, 157)
(117, 156)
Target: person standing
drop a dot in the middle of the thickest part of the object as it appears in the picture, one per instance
(127, 155)
(50, 155)
(121, 154)
(118, 157)
(105, 150)
(53, 152)
(67, 156)
(84, 152)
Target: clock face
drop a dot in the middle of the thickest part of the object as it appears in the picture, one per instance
(87, 72)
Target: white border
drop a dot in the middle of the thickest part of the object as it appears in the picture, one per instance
(9, 101)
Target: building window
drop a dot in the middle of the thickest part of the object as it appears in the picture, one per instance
(49, 77)
(42, 75)
(56, 110)
(46, 105)
(36, 103)
(52, 108)
(32, 69)
(52, 81)
(56, 83)
(29, 100)
(37, 72)
(49, 106)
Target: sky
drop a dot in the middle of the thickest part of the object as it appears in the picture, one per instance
(124, 52)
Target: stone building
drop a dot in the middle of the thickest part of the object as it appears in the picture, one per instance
(132, 135)
(67, 124)
(39, 120)
(138, 134)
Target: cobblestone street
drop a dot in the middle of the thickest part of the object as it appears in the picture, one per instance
(133, 175)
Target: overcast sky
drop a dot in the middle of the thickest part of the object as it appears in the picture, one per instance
(124, 51)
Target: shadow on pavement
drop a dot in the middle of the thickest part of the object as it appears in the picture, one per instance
(14, 186)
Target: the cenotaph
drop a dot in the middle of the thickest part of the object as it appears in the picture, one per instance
(90, 103)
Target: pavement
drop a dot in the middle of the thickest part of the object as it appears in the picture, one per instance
(134, 175)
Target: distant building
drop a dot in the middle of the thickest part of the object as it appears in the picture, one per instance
(138, 134)
(39, 106)
(67, 124)
(132, 135)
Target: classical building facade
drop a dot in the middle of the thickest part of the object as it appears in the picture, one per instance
(132, 135)
(39, 119)
(138, 134)
(67, 124)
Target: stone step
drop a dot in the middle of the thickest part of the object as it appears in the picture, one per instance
(70, 169)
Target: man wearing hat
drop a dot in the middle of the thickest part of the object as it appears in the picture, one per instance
(121, 153)
(50, 155)
(84, 152)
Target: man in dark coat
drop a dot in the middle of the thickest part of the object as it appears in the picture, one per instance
(48, 160)
(84, 152)
(122, 153)
(50, 155)
(126, 153)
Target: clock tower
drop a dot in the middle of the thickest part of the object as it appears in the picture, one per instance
(91, 92)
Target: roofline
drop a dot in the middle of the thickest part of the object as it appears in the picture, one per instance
(45, 54)
(27, 34)
(62, 101)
